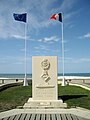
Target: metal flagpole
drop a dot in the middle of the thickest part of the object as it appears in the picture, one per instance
(25, 78)
(63, 79)
(60, 18)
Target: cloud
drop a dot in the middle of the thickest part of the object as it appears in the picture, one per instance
(64, 6)
(77, 60)
(42, 47)
(67, 5)
(18, 37)
(51, 39)
(85, 59)
(69, 60)
(41, 50)
(87, 35)
(11, 60)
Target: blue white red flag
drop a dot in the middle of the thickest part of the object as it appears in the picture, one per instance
(57, 17)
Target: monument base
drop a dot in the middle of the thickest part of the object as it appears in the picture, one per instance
(37, 104)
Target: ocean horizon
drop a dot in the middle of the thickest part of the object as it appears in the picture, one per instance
(20, 75)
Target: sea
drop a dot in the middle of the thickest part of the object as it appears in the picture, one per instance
(14, 75)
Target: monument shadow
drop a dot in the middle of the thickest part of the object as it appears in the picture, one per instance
(67, 97)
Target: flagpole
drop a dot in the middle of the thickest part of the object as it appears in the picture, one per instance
(60, 18)
(25, 77)
(63, 79)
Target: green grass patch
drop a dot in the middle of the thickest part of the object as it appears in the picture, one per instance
(74, 96)
(16, 96)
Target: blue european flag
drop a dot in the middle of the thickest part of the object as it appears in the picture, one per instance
(20, 17)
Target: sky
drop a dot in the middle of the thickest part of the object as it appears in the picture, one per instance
(44, 35)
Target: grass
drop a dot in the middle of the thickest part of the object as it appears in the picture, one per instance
(75, 96)
(18, 95)
(14, 96)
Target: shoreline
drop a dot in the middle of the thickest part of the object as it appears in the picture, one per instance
(70, 79)
(59, 77)
(74, 78)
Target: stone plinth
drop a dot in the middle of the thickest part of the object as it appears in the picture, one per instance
(44, 104)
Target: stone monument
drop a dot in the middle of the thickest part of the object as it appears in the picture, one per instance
(44, 84)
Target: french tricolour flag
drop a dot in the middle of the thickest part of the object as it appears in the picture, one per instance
(57, 17)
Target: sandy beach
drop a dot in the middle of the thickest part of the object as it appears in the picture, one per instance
(70, 79)
(11, 80)
(75, 79)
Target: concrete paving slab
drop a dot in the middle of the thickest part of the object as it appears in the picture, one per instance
(75, 111)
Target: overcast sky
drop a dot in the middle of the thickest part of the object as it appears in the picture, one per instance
(44, 35)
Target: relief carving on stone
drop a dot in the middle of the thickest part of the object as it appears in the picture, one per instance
(45, 66)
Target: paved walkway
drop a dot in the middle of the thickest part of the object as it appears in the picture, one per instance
(81, 84)
(78, 113)
(85, 86)
(28, 116)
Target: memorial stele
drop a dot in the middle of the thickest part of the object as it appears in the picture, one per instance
(44, 83)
